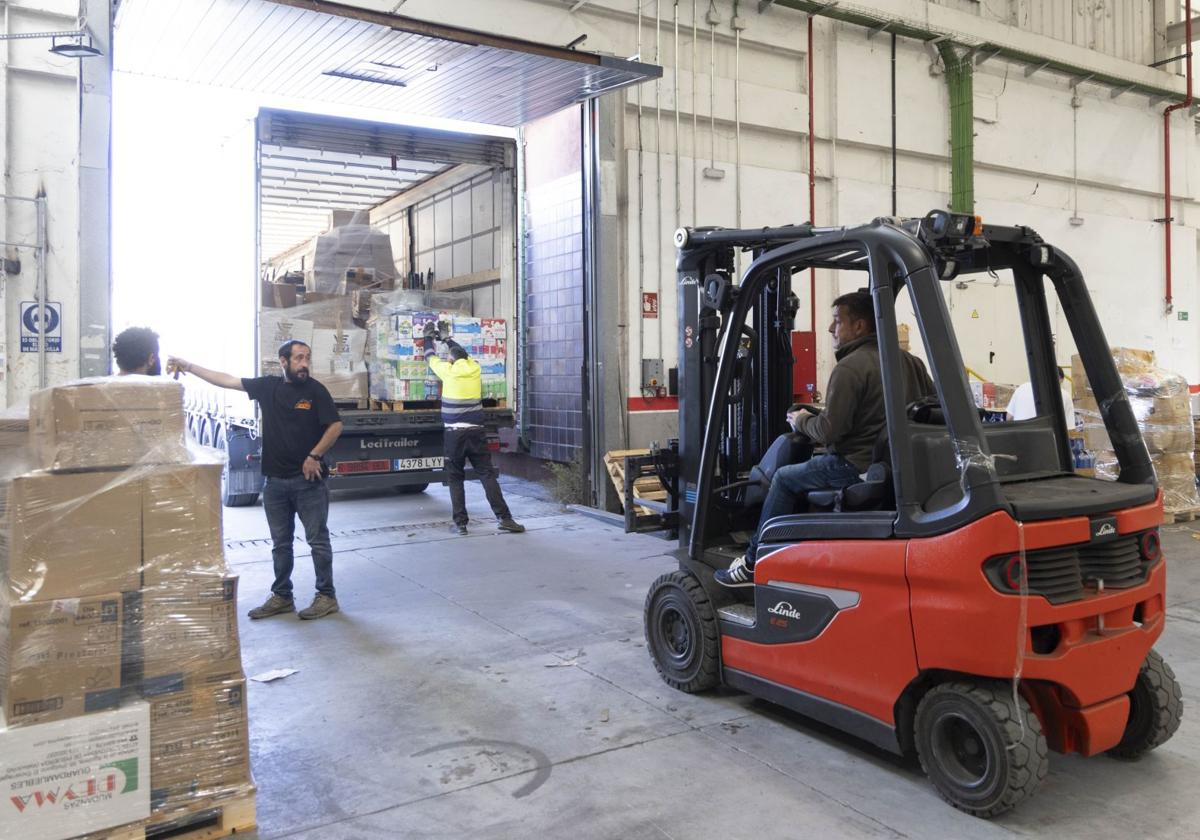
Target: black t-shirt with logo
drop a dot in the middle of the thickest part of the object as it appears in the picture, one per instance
(294, 416)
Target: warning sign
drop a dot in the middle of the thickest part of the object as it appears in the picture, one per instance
(36, 325)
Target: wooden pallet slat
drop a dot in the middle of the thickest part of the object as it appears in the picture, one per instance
(1170, 517)
(646, 487)
(207, 821)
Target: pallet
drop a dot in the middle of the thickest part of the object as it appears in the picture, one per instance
(406, 405)
(221, 818)
(1171, 517)
(353, 405)
(647, 487)
(420, 405)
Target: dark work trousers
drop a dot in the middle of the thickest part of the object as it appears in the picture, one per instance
(284, 499)
(464, 444)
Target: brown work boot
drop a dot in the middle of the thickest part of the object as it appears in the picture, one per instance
(511, 525)
(273, 606)
(321, 606)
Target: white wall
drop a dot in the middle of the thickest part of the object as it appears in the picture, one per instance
(39, 152)
(1025, 156)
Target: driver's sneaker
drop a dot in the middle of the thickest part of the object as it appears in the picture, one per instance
(738, 574)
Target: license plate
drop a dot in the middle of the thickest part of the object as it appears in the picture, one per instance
(348, 467)
(434, 463)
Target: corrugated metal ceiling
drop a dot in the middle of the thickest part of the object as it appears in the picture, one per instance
(310, 164)
(299, 186)
(380, 62)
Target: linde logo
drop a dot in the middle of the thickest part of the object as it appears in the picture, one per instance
(387, 443)
(783, 608)
(1105, 530)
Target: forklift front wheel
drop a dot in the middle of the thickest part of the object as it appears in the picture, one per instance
(681, 632)
(1155, 709)
(983, 750)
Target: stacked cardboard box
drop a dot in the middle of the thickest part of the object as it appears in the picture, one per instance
(1161, 405)
(114, 593)
(353, 256)
(327, 326)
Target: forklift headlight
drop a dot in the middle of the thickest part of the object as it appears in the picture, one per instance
(1006, 572)
(1014, 572)
(1151, 546)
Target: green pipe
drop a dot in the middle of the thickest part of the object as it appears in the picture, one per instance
(960, 81)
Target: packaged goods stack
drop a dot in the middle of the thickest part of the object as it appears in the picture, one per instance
(1161, 405)
(1196, 452)
(119, 654)
(396, 347)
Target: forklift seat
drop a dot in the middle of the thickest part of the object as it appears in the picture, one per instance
(786, 449)
(875, 492)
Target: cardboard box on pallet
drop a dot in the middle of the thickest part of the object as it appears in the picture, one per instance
(72, 777)
(69, 536)
(14, 442)
(108, 422)
(60, 658)
(199, 745)
(189, 635)
(181, 525)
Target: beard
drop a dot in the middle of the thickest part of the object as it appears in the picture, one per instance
(300, 375)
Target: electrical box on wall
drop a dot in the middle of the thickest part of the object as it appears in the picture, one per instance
(652, 375)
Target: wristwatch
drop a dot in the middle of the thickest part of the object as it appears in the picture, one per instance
(314, 457)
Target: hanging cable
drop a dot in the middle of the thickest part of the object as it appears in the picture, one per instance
(712, 83)
(675, 104)
(641, 208)
(658, 237)
(695, 145)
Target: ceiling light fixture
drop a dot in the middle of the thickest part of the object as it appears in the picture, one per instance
(76, 44)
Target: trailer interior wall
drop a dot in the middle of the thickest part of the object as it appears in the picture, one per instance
(39, 154)
(1016, 182)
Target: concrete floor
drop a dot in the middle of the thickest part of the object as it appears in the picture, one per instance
(498, 686)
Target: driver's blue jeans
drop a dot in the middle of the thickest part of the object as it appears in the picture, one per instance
(821, 472)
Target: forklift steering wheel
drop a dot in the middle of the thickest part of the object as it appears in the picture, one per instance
(811, 409)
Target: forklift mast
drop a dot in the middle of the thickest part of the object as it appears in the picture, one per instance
(755, 413)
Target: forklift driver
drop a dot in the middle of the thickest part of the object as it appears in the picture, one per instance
(847, 428)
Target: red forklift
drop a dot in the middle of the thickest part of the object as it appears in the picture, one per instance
(973, 601)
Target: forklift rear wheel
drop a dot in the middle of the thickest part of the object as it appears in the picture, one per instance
(681, 632)
(411, 489)
(1155, 709)
(983, 751)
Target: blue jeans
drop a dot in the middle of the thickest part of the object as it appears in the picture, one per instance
(284, 499)
(821, 472)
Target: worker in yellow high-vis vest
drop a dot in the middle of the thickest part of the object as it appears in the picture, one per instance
(462, 415)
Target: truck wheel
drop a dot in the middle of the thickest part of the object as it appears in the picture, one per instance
(681, 632)
(411, 489)
(1155, 709)
(228, 499)
(975, 749)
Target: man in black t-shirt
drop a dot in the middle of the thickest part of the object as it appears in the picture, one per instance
(299, 425)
